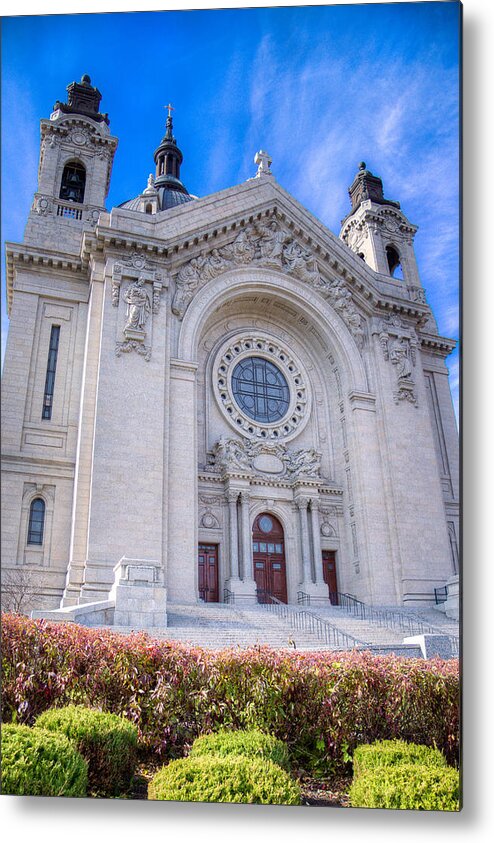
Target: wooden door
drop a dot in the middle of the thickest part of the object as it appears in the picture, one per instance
(208, 572)
(329, 574)
(268, 551)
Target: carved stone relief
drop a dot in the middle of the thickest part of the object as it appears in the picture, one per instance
(266, 244)
(399, 346)
(141, 297)
(275, 460)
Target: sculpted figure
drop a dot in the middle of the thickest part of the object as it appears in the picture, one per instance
(138, 305)
(299, 261)
(399, 354)
(306, 461)
(271, 243)
(187, 281)
(243, 249)
(214, 264)
(230, 455)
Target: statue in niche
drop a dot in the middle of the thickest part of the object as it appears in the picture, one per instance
(399, 354)
(138, 305)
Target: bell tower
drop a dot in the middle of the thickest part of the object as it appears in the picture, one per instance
(378, 231)
(75, 163)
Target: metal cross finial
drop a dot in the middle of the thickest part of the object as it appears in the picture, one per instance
(170, 109)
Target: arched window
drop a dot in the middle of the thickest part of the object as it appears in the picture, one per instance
(73, 182)
(394, 262)
(36, 522)
(149, 208)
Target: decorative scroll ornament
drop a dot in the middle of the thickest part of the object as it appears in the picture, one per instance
(234, 455)
(399, 346)
(266, 244)
(133, 345)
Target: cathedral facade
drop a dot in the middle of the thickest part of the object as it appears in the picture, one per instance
(217, 396)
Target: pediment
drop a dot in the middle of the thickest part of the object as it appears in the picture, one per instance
(270, 238)
(256, 223)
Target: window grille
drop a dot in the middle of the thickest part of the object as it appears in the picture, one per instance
(50, 372)
(36, 522)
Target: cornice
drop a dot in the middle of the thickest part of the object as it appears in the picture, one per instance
(24, 255)
(175, 241)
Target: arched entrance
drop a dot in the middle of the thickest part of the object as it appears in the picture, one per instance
(268, 551)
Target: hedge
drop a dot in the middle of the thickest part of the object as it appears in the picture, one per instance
(228, 779)
(250, 743)
(407, 786)
(321, 704)
(387, 753)
(106, 741)
(36, 762)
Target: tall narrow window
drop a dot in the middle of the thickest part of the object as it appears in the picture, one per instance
(50, 372)
(36, 522)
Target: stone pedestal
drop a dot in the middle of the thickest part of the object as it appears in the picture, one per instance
(452, 605)
(243, 590)
(319, 590)
(432, 645)
(139, 594)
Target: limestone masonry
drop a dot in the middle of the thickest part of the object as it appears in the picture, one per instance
(217, 399)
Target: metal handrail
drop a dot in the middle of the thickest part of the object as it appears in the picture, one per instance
(441, 594)
(308, 622)
(391, 618)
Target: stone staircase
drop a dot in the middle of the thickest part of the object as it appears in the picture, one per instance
(374, 633)
(217, 625)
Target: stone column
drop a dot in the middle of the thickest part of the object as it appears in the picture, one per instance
(242, 589)
(182, 479)
(316, 541)
(232, 497)
(246, 538)
(302, 504)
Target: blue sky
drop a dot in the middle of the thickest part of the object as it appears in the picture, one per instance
(320, 87)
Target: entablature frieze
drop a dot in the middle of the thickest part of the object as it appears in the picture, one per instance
(270, 238)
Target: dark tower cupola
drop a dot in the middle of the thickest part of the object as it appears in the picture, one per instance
(166, 190)
(168, 158)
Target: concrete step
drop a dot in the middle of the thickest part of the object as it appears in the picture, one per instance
(218, 625)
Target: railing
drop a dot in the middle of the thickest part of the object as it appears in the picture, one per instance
(391, 618)
(304, 621)
(441, 594)
(69, 210)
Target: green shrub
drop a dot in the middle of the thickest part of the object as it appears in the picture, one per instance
(251, 743)
(391, 753)
(36, 762)
(106, 741)
(321, 704)
(231, 779)
(411, 786)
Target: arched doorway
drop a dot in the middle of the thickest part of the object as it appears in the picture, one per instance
(268, 551)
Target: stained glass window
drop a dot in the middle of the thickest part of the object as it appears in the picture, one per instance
(260, 390)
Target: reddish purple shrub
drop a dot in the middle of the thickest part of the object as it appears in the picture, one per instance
(321, 704)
